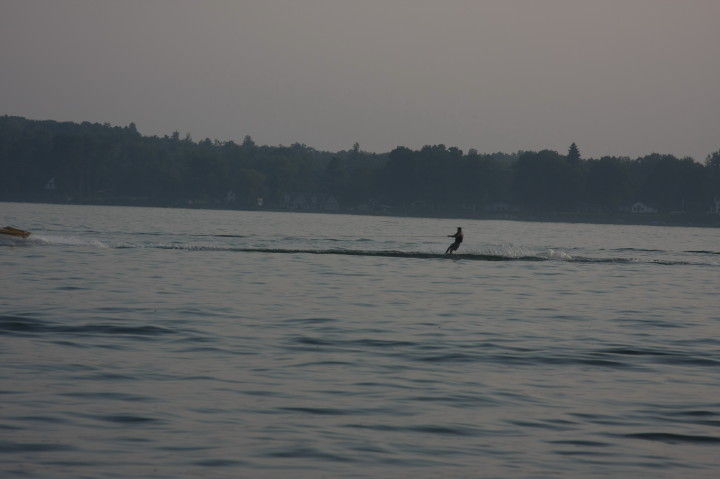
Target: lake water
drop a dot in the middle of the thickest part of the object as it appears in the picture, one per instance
(166, 343)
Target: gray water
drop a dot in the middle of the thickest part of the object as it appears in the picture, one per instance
(165, 343)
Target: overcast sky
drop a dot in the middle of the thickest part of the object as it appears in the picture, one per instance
(618, 77)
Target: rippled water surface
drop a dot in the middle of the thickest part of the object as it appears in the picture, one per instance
(165, 343)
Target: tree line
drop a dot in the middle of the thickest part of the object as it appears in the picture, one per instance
(99, 163)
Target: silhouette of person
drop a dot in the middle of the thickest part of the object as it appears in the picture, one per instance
(458, 239)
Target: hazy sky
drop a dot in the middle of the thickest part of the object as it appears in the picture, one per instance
(618, 77)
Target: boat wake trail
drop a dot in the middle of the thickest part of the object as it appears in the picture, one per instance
(393, 254)
(496, 254)
(521, 256)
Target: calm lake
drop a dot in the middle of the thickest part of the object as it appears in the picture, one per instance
(166, 343)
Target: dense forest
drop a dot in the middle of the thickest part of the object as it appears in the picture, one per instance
(98, 163)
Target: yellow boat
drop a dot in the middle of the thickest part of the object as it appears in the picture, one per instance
(9, 230)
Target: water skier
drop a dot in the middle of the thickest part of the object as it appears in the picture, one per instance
(458, 239)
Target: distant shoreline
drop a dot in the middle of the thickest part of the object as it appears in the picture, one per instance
(690, 220)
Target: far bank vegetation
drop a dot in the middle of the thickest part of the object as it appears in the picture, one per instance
(98, 163)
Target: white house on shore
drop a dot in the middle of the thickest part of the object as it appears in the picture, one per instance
(641, 208)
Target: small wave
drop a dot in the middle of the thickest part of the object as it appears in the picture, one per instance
(220, 235)
(432, 429)
(218, 462)
(642, 250)
(10, 325)
(10, 447)
(674, 438)
(617, 260)
(305, 453)
(321, 411)
(127, 419)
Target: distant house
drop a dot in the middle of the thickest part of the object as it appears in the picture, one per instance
(499, 207)
(309, 202)
(715, 209)
(293, 201)
(641, 208)
(331, 204)
(299, 203)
